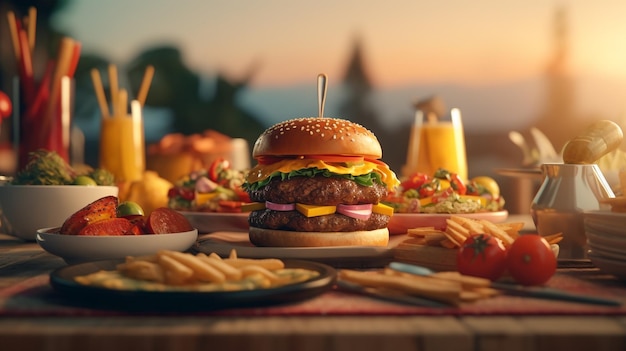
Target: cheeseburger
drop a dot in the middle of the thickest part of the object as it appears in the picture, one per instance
(318, 182)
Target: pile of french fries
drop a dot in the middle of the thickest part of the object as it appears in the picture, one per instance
(458, 229)
(184, 269)
(448, 287)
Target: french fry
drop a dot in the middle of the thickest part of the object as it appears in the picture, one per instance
(554, 238)
(456, 234)
(423, 231)
(233, 254)
(176, 273)
(267, 263)
(250, 270)
(448, 294)
(230, 272)
(471, 225)
(495, 231)
(448, 244)
(143, 270)
(201, 270)
(466, 281)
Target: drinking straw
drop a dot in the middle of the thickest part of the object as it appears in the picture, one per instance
(64, 58)
(145, 85)
(122, 103)
(14, 36)
(100, 96)
(26, 67)
(114, 88)
(65, 112)
(32, 25)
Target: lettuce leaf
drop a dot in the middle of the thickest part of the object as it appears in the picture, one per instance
(365, 179)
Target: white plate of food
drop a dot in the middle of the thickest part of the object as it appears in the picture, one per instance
(209, 222)
(337, 256)
(83, 248)
(401, 222)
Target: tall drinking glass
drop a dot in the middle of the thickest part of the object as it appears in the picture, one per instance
(122, 146)
(437, 142)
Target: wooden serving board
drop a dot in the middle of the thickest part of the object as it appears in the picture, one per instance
(434, 257)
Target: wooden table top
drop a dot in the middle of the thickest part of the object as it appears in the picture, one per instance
(20, 261)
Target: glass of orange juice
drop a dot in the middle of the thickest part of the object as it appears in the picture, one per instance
(437, 142)
(122, 147)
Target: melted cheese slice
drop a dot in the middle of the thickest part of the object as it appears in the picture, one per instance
(314, 211)
(261, 172)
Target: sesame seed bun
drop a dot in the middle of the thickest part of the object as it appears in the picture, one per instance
(317, 136)
(284, 238)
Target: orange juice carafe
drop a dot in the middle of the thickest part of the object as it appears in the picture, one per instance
(122, 147)
(437, 142)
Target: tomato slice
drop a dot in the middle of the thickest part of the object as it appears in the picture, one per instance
(363, 211)
(337, 158)
(268, 160)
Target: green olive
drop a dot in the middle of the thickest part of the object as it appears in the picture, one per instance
(129, 208)
(84, 180)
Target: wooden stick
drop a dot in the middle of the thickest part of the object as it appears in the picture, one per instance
(26, 69)
(32, 27)
(64, 58)
(145, 85)
(113, 85)
(99, 89)
(14, 36)
(122, 109)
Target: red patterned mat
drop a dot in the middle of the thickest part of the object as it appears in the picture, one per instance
(35, 297)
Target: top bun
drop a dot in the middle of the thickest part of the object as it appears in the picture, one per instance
(317, 136)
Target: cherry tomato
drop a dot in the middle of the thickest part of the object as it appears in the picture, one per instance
(442, 195)
(216, 167)
(5, 105)
(482, 255)
(530, 260)
(415, 181)
(457, 184)
(426, 190)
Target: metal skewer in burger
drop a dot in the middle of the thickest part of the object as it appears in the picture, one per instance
(319, 182)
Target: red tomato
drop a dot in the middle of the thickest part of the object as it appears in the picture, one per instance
(216, 167)
(457, 184)
(415, 181)
(482, 255)
(530, 260)
(5, 105)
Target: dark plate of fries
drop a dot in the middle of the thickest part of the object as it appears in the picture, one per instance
(177, 297)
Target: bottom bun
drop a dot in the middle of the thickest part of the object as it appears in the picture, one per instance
(284, 238)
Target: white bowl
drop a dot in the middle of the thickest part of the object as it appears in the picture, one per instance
(26, 208)
(81, 248)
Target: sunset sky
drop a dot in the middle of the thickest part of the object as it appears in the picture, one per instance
(404, 41)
